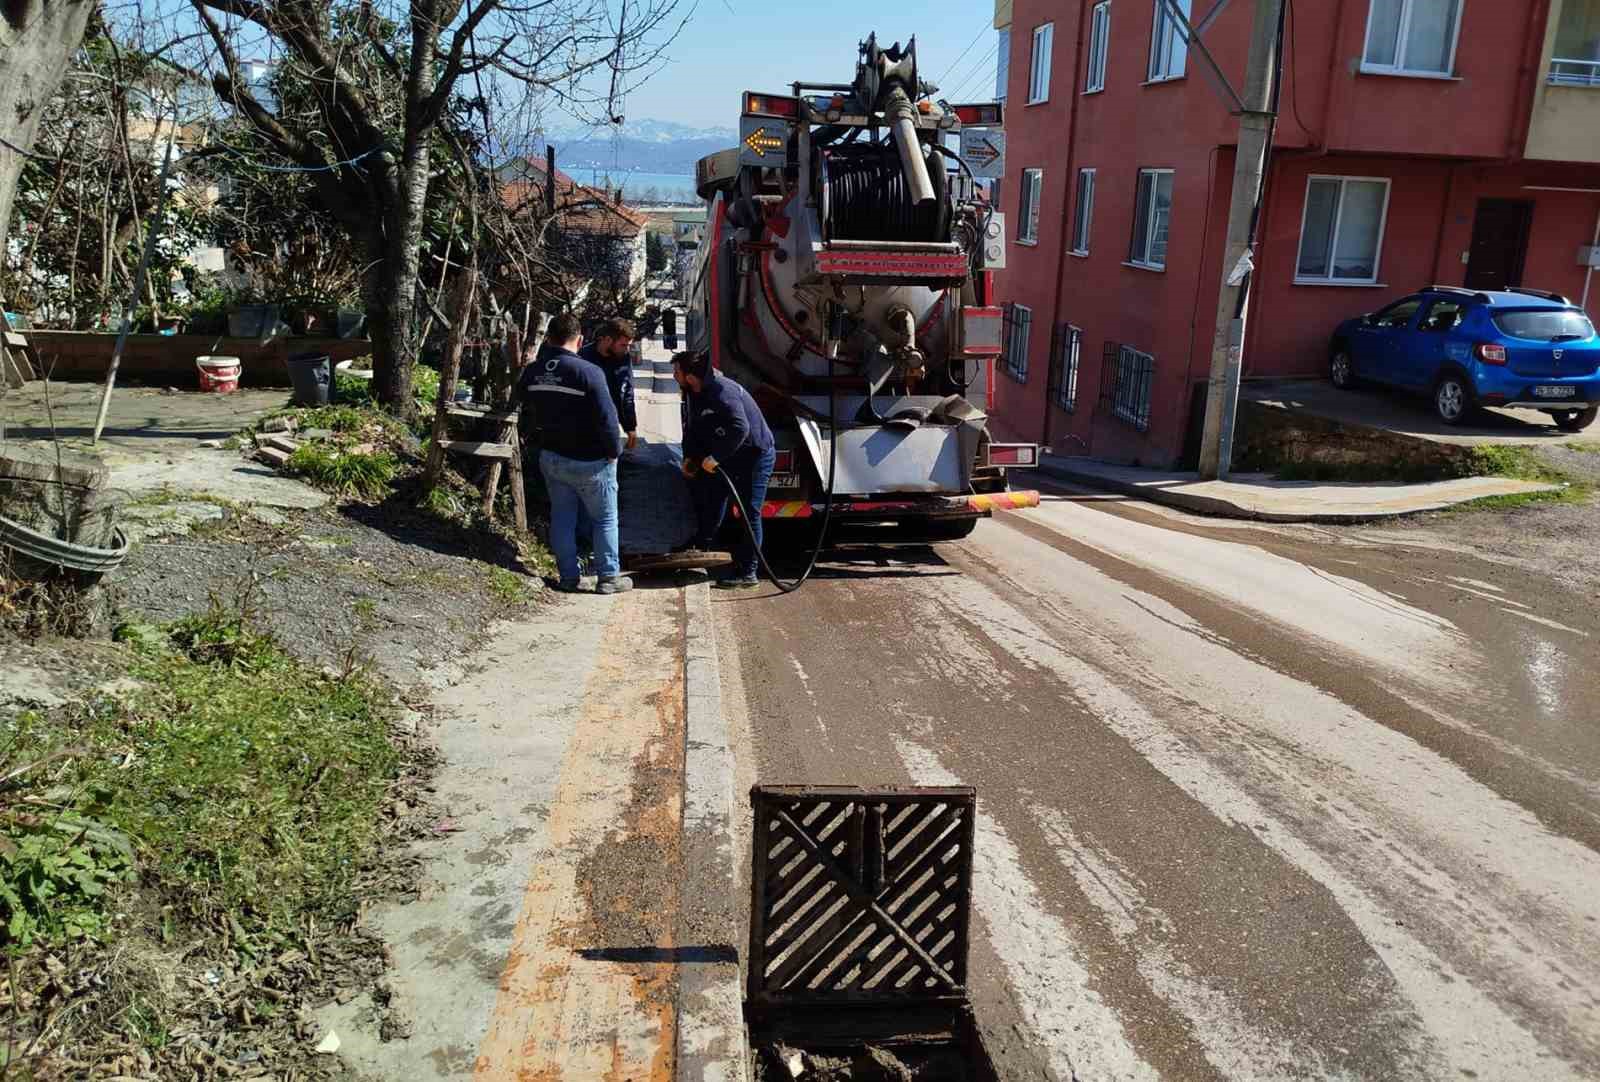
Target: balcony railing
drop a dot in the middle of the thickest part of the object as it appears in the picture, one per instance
(1575, 73)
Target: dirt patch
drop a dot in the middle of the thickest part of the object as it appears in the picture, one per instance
(337, 586)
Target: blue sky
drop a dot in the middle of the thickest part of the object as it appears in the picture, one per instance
(766, 44)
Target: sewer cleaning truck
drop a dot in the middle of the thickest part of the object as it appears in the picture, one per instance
(845, 279)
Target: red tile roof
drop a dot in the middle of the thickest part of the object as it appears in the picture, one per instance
(579, 208)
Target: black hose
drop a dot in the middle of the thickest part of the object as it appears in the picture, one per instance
(827, 514)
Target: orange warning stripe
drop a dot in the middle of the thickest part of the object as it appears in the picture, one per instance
(786, 509)
(1003, 501)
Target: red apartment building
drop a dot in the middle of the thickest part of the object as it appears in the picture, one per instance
(1418, 141)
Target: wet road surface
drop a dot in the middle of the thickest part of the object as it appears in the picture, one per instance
(1253, 803)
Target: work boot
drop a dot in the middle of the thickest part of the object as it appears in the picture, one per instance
(737, 582)
(616, 584)
(567, 586)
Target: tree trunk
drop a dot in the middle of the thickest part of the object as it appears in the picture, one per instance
(37, 37)
(392, 304)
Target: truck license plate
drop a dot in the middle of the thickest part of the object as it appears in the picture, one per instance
(1554, 392)
(784, 480)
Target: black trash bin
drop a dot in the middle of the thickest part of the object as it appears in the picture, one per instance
(312, 376)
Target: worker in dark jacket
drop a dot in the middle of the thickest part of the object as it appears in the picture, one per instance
(612, 351)
(579, 443)
(724, 431)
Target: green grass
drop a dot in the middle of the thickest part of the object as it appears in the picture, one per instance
(245, 787)
(367, 474)
(508, 587)
(1499, 460)
(1584, 448)
(1510, 460)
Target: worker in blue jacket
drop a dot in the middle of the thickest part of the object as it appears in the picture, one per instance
(612, 351)
(579, 444)
(724, 431)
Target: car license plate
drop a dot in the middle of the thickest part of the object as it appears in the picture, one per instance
(1554, 392)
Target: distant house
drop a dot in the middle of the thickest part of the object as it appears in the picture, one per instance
(598, 235)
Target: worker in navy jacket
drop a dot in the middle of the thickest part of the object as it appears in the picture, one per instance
(612, 351)
(724, 431)
(580, 441)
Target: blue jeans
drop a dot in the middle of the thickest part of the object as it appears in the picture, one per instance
(589, 487)
(750, 470)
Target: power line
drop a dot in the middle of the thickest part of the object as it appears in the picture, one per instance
(978, 73)
(975, 39)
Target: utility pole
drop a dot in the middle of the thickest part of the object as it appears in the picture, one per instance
(1249, 173)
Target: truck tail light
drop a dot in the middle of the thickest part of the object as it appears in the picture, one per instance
(783, 462)
(771, 105)
(987, 113)
(1491, 353)
(1013, 454)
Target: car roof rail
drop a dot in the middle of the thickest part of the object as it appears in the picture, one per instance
(1475, 294)
(1543, 293)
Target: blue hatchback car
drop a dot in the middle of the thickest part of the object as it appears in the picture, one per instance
(1469, 348)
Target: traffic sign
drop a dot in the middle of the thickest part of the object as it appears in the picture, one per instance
(763, 141)
(984, 151)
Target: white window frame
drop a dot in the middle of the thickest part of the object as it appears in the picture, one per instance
(1017, 343)
(1083, 212)
(1150, 217)
(1044, 36)
(1029, 194)
(1338, 220)
(1099, 47)
(1398, 68)
(1162, 18)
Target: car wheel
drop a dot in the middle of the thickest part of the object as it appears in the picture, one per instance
(1452, 399)
(1576, 420)
(1342, 370)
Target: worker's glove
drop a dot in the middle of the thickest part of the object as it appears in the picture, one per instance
(709, 464)
(689, 468)
(633, 440)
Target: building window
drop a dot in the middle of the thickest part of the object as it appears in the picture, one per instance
(1132, 375)
(1099, 44)
(1169, 49)
(1064, 368)
(1152, 213)
(1028, 206)
(1002, 68)
(1039, 72)
(1341, 234)
(1412, 37)
(1577, 55)
(1018, 322)
(1083, 214)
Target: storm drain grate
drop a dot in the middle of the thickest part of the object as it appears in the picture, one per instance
(860, 895)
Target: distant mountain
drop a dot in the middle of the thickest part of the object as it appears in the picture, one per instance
(644, 146)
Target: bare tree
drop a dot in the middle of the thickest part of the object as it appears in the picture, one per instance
(36, 38)
(394, 91)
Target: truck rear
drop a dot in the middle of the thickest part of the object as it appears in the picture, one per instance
(844, 280)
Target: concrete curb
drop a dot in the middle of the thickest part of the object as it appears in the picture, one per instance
(1220, 507)
(711, 1037)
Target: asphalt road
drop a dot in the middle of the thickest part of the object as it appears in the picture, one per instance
(1253, 803)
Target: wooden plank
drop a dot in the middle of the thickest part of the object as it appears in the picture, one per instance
(477, 449)
(471, 414)
(519, 494)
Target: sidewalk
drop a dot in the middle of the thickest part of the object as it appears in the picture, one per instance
(1261, 497)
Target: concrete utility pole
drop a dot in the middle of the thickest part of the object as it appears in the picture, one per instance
(1249, 172)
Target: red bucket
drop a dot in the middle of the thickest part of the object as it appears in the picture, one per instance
(219, 375)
